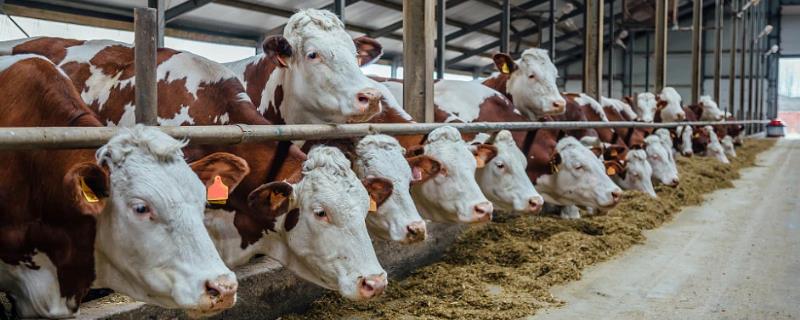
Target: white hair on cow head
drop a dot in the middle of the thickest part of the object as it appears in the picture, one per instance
(444, 134)
(715, 148)
(328, 161)
(659, 155)
(540, 57)
(645, 106)
(307, 22)
(532, 85)
(152, 142)
(638, 173)
(711, 111)
(504, 179)
(585, 99)
(674, 108)
(397, 217)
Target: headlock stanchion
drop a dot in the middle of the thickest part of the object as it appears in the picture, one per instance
(23, 138)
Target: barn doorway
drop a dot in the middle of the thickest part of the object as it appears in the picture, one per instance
(789, 94)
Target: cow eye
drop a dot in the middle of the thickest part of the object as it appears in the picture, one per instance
(312, 55)
(320, 213)
(533, 76)
(579, 167)
(500, 165)
(141, 208)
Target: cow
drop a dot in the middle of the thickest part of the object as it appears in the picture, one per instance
(311, 73)
(529, 82)
(644, 105)
(715, 148)
(196, 91)
(669, 103)
(127, 216)
(707, 110)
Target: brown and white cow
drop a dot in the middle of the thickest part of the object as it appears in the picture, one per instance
(311, 74)
(530, 82)
(126, 217)
(645, 106)
(197, 91)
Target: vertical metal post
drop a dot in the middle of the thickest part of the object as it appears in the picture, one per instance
(145, 44)
(611, 48)
(697, 34)
(160, 7)
(505, 25)
(661, 45)
(717, 47)
(631, 54)
(593, 50)
(396, 61)
(338, 8)
(646, 62)
(441, 42)
(732, 55)
(751, 65)
(419, 32)
(740, 112)
(552, 30)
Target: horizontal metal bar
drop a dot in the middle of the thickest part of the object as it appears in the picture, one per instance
(26, 138)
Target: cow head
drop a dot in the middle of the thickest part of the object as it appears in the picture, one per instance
(322, 231)
(714, 148)
(710, 109)
(683, 141)
(452, 195)
(396, 218)
(623, 108)
(638, 173)
(503, 179)
(318, 65)
(670, 105)
(727, 144)
(661, 160)
(579, 178)
(644, 105)
(151, 243)
(532, 83)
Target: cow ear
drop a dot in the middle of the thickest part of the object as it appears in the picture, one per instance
(278, 49)
(368, 50)
(272, 199)
(417, 150)
(379, 190)
(220, 172)
(613, 168)
(88, 185)
(483, 153)
(628, 100)
(504, 63)
(423, 168)
(661, 103)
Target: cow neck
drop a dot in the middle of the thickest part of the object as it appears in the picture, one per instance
(255, 72)
(40, 217)
(499, 82)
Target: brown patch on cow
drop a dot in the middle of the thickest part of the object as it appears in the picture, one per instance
(38, 215)
(499, 82)
(291, 219)
(54, 49)
(256, 75)
(273, 113)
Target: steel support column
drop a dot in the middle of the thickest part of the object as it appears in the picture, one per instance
(731, 106)
(419, 32)
(505, 25)
(697, 34)
(611, 48)
(647, 62)
(145, 41)
(631, 54)
(160, 8)
(742, 65)
(441, 42)
(338, 8)
(717, 47)
(552, 30)
(593, 50)
(661, 45)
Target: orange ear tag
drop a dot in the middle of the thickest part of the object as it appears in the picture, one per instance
(373, 206)
(614, 152)
(480, 161)
(504, 68)
(611, 171)
(217, 192)
(87, 192)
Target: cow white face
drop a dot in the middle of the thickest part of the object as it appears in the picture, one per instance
(581, 179)
(453, 195)
(711, 111)
(319, 71)
(396, 217)
(673, 108)
(151, 243)
(638, 173)
(727, 144)
(323, 235)
(686, 133)
(715, 148)
(532, 83)
(661, 160)
(645, 106)
(504, 180)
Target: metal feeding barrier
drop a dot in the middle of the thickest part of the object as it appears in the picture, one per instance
(27, 138)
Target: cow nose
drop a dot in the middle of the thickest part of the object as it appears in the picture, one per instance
(368, 101)
(559, 105)
(482, 212)
(535, 204)
(371, 286)
(674, 183)
(681, 116)
(416, 232)
(616, 195)
(221, 292)
(688, 154)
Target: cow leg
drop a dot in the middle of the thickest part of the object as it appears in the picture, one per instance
(570, 212)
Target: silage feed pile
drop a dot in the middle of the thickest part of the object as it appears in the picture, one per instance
(504, 269)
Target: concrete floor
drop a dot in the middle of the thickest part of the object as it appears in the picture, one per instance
(735, 257)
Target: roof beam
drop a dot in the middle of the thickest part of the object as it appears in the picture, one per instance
(489, 21)
(183, 8)
(481, 50)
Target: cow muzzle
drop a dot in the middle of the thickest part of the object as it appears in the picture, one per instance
(219, 295)
(535, 205)
(371, 286)
(415, 232)
(367, 104)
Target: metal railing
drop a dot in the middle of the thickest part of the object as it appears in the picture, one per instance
(26, 138)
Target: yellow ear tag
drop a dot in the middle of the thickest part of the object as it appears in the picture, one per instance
(480, 161)
(611, 171)
(373, 206)
(696, 134)
(87, 192)
(614, 152)
(504, 68)
(217, 192)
